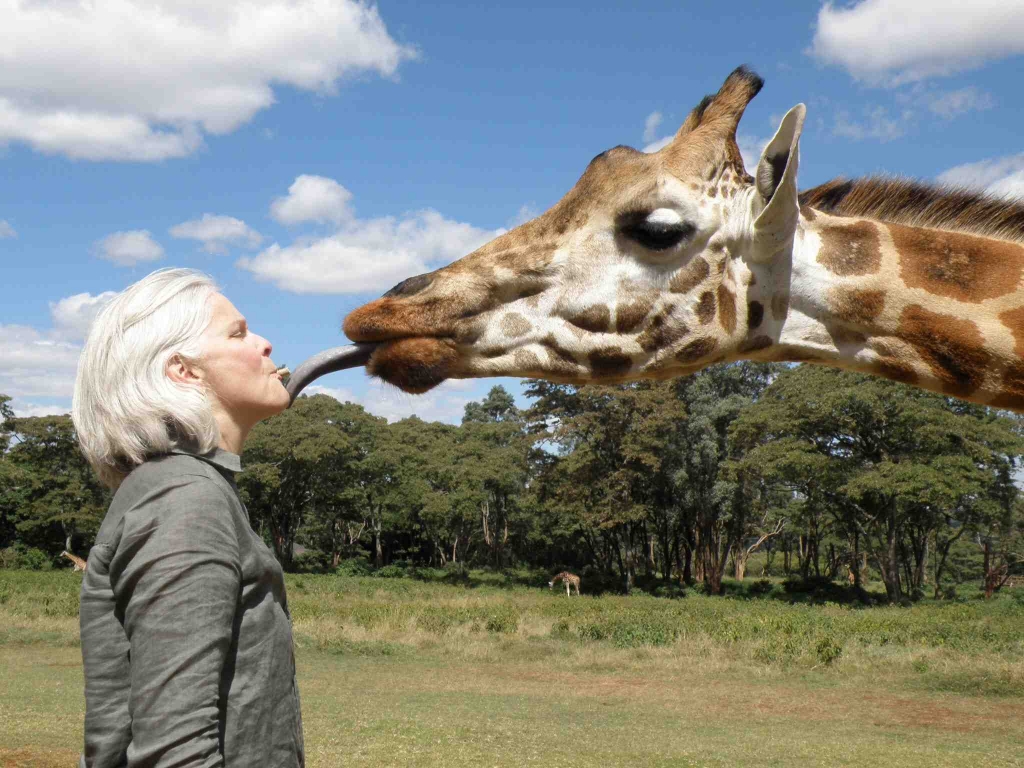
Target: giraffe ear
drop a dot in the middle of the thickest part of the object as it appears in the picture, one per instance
(776, 205)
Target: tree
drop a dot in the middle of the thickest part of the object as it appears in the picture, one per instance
(56, 501)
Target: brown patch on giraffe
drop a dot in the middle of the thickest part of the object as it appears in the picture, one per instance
(514, 325)
(596, 319)
(726, 309)
(963, 267)
(755, 314)
(780, 306)
(609, 361)
(663, 331)
(840, 334)
(690, 276)
(857, 306)
(851, 250)
(558, 350)
(1012, 394)
(751, 279)
(808, 213)
(706, 308)
(527, 361)
(469, 332)
(952, 348)
(755, 344)
(896, 370)
(1014, 320)
(414, 365)
(630, 314)
(697, 349)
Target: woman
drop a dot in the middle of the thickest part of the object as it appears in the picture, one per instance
(186, 637)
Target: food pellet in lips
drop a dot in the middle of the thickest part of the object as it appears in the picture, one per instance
(283, 370)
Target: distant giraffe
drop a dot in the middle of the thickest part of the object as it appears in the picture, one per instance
(80, 564)
(569, 579)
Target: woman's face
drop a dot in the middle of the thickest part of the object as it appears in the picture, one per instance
(236, 366)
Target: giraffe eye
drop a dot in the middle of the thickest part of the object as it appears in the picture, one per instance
(656, 231)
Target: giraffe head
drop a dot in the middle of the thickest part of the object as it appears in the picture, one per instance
(643, 270)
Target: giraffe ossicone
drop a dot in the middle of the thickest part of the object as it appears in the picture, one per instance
(656, 265)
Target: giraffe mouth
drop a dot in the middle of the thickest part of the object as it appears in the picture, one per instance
(414, 364)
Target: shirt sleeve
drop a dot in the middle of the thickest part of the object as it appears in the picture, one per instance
(176, 580)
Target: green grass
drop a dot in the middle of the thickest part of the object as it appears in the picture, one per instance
(492, 672)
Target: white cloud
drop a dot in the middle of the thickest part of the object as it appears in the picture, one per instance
(145, 79)
(6, 230)
(1002, 176)
(651, 125)
(25, 409)
(313, 198)
(446, 402)
(950, 104)
(216, 233)
(751, 148)
(36, 364)
(654, 146)
(129, 248)
(893, 42)
(526, 212)
(367, 254)
(73, 316)
(879, 124)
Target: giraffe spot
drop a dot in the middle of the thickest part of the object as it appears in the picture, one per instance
(696, 349)
(1014, 320)
(706, 308)
(962, 267)
(561, 358)
(712, 192)
(514, 325)
(690, 276)
(468, 332)
(751, 279)
(780, 306)
(726, 309)
(840, 334)
(850, 250)
(527, 361)
(610, 361)
(1012, 395)
(951, 347)
(663, 331)
(629, 315)
(756, 344)
(595, 318)
(755, 314)
(808, 213)
(896, 370)
(857, 306)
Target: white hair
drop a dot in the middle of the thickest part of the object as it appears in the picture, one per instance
(125, 407)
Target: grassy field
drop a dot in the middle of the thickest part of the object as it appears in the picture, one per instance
(493, 672)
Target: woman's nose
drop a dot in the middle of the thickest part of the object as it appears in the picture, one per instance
(265, 347)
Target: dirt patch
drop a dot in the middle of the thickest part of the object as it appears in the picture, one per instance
(37, 757)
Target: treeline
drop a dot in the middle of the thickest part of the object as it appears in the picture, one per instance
(823, 473)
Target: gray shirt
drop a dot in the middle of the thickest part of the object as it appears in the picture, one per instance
(186, 636)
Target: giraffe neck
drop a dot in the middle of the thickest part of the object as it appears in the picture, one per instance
(938, 309)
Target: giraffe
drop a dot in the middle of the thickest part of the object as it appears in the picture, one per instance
(80, 564)
(656, 265)
(569, 580)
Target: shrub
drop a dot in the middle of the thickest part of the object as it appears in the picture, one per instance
(354, 566)
(760, 587)
(503, 619)
(828, 650)
(392, 571)
(24, 558)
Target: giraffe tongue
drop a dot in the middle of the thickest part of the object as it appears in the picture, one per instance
(328, 361)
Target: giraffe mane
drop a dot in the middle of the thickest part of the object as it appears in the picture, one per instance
(919, 204)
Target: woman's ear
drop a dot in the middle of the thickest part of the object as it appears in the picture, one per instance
(181, 371)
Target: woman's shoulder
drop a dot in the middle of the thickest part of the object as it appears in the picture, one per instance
(168, 472)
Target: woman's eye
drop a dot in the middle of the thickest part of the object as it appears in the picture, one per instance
(657, 232)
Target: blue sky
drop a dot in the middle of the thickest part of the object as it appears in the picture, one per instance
(309, 154)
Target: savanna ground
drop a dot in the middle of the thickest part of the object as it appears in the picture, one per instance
(493, 670)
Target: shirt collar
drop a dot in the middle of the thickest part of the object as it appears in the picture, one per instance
(218, 457)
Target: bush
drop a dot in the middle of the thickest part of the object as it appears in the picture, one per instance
(503, 619)
(354, 566)
(392, 571)
(760, 587)
(828, 650)
(24, 558)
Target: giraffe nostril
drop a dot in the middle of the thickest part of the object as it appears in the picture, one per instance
(409, 287)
